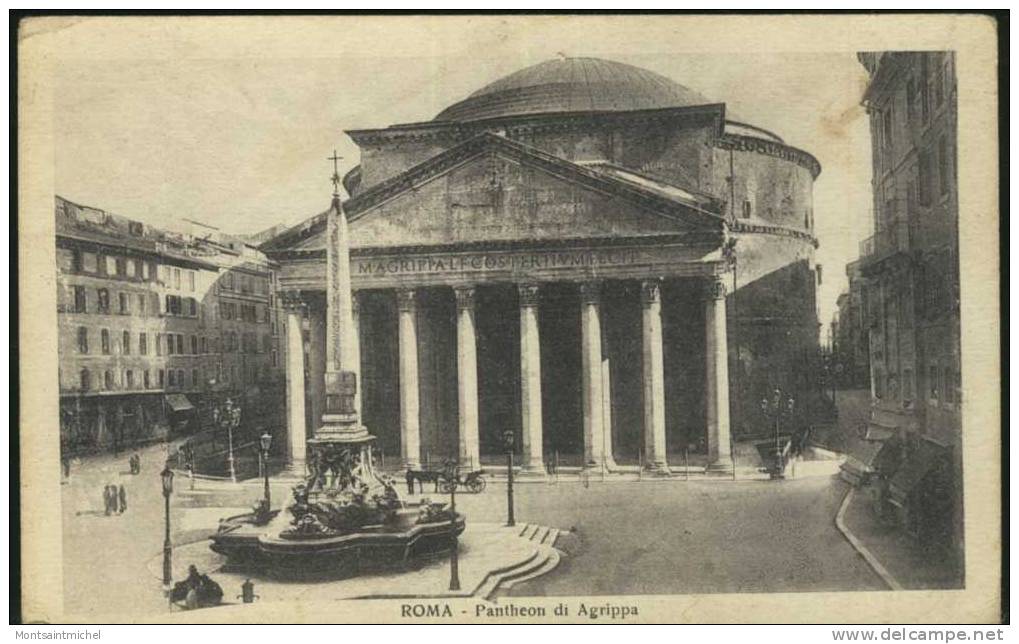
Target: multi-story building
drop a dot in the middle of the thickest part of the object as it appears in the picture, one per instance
(911, 271)
(850, 332)
(155, 325)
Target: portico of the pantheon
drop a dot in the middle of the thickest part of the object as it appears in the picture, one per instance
(585, 253)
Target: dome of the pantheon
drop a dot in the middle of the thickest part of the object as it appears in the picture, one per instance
(573, 85)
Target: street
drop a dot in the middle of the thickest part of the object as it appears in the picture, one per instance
(650, 537)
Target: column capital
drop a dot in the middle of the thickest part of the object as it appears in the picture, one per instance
(465, 297)
(715, 288)
(292, 300)
(406, 299)
(529, 294)
(590, 291)
(650, 290)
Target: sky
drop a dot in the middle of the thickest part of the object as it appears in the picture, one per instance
(182, 118)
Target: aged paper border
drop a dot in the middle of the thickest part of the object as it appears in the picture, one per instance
(42, 41)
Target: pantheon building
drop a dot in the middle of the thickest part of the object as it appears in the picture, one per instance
(584, 253)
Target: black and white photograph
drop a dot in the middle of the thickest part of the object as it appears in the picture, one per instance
(508, 319)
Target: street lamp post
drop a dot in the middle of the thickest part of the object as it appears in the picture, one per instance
(230, 415)
(508, 438)
(774, 409)
(266, 441)
(452, 480)
(167, 479)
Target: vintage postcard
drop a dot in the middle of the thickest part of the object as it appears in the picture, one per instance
(508, 319)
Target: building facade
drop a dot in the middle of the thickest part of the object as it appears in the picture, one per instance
(910, 268)
(851, 333)
(584, 253)
(155, 326)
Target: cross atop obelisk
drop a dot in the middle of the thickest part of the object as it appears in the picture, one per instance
(336, 173)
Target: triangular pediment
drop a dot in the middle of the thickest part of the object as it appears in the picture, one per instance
(493, 190)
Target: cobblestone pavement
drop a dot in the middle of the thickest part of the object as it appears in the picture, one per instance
(649, 537)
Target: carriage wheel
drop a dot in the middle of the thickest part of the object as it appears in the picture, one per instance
(445, 487)
(477, 486)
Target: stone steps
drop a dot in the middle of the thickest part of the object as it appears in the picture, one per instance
(544, 560)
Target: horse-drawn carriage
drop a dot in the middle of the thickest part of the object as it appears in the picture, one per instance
(474, 482)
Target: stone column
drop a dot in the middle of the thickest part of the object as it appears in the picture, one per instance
(296, 430)
(530, 380)
(467, 378)
(355, 348)
(717, 373)
(654, 377)
(595, 453)
(410, 425)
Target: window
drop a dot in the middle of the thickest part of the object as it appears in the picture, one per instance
(911, 100)
(125, 303)
(170, 378)
(80, 305)
(173, 305)
(133, 269)
(143, 344)
(180, 344)
(194, 377)
(104, 337)
(126, 343)
(138, 268)
(169, 344)
(104, 300)
(145, 379)
(176, 278)
(748, 209)
(924, 187)
(111, 265)
(943, 166)
(129, 377)
(194, 344)
(141, 304)
(932, 378)
(82, 339)
(205, 344)
(180, 377)
(121, 266)
(90, 262)
(192, 306)
(191, 281)
(86, 380)
(160, 378)
(886, 127)
(274, 358)
(108, 380)
(67, 260)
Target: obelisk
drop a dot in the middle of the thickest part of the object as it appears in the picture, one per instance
(340, 419)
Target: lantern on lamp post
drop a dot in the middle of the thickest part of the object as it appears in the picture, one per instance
(776, 408)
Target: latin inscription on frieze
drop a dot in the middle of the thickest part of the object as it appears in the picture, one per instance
(478, 262)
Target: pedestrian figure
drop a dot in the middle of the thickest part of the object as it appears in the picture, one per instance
(108, 506)
(122, 496)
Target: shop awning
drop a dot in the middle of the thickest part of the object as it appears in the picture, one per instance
(179, 402)
(924, 459)
(879, 432)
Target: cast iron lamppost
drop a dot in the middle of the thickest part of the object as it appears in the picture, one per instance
(266, 441)
(167, 479)
(229, 415)
(508, 437)
(452, 480)
(775, 409)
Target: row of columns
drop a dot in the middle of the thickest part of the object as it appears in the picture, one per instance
(597, 428)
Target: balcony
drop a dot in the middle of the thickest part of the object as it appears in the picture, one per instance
(893, 240)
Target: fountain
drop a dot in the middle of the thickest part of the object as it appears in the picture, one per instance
(344, 516)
